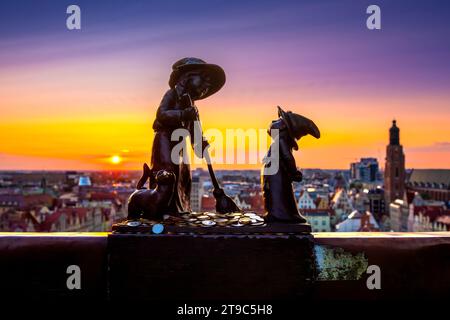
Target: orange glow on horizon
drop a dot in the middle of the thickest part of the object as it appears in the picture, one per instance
(80, 128)
(85, 144)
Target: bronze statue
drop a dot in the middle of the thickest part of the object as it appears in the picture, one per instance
(151, 203)
(200, 80)
(279, 200)
(191, 79)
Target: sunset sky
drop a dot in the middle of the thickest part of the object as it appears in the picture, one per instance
(77, 99)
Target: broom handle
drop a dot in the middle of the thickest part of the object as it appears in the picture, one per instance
(211, 171)
(206, 153)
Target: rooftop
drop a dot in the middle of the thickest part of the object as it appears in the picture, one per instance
(441, 176)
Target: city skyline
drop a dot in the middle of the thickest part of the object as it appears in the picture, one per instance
(77, 99)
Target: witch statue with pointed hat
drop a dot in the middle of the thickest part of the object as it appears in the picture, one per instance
(191, 79)
(279, 199)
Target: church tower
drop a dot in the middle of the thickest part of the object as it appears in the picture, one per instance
(394, 169)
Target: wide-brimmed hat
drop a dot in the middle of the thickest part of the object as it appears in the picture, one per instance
(298, 125)
(213, 71)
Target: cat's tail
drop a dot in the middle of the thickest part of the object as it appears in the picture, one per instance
(145, 175)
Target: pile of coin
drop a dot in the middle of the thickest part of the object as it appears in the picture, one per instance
(206, 219)
(210, 219)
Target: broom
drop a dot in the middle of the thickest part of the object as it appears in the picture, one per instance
(224, 204)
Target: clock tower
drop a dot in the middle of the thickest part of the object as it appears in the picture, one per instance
(394, 170)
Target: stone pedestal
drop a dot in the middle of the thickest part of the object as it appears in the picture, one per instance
(207, 264)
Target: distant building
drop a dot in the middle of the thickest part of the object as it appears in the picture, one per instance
(305, 201)
(434, 184)
(35, 177)
(422, 222)
(208, 203)
(241, 203)
(444, 221)
(196, 193)
(358, 221)
(339, 181)
(394, 171)
(376, 202)
(84, 181)
(371, 200)
(322, 203)
(341, 205)
(75, 220)
(14, 221)
(24, 202)
(366, 170)
(11, 201)
(318, 219)
(69, 199)
(255, 200)
(398, 215)
(361, 201)
(427, 215)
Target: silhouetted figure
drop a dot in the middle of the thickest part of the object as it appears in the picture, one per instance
(279, 199)
(190, 77)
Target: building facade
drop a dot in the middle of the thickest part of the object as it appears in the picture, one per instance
(318, 219)
(341, 205)
(433, 184)
(398, 215)
(305, 201)
(366, 170)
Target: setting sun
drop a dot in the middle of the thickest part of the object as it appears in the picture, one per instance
(115, 159)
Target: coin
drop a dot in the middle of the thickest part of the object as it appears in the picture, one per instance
(208, 223)
(210, 214)
(237, 225)
(235, 214)
(221, 221)
(133, 223)
(258, 223)
(250, 214)
(157, 228)
(203, 217)
(245, 220)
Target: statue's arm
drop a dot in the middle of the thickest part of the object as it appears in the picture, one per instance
(165, 113)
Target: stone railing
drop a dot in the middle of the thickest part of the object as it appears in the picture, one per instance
(357, 266)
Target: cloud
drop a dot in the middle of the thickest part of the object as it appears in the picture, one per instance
(444, 144)
(441, 146)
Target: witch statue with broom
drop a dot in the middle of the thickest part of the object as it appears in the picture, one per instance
(170, 179)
